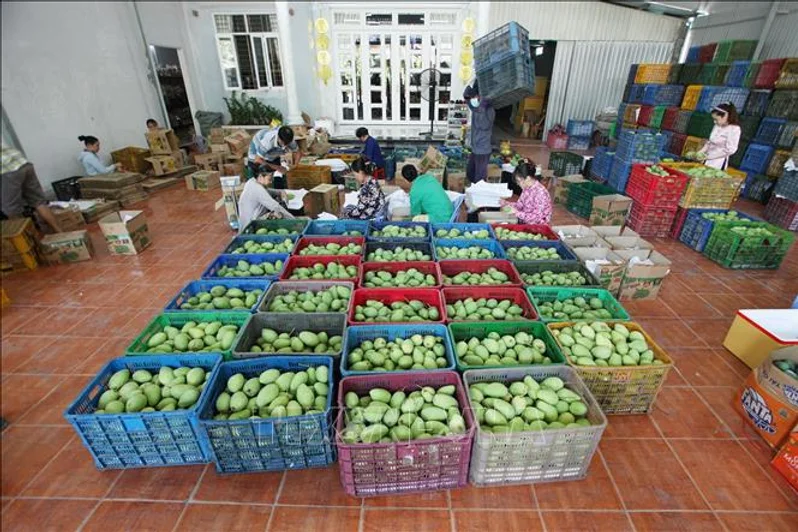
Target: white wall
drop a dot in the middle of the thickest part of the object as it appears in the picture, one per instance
(70, 69)
(782, 38)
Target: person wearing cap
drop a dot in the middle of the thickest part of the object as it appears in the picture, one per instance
(482, 116)
(724, 138)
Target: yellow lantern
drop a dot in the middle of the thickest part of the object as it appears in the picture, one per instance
(323, 57)
(466, 73)
(322, 42)
(325, 73)
(469, 25)
(466, 57)
(466, 41)
(321, 25)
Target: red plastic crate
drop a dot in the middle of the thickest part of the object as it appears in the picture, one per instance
(515, 294)
(557, 141)
(651, 190)
(669, 118)
(453, 267)
(651, 221)
(429, 296)
(707, 53)
(394, 468)
(644, 116)
(296, 261)
(306, 241)
(782, 212)
(425, 267)
(768, 73)
(678, 222)
(677, 143)
(544, 230)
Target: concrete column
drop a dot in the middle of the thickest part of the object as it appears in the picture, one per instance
(483, 19)
(289, 78)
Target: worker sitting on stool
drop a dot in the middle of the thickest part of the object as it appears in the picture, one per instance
(371, 150)
(265, 150)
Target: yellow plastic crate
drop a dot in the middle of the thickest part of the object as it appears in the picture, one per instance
(712, 192)
(656, 74)
(691, 96)
(630, 114)
(692, 144)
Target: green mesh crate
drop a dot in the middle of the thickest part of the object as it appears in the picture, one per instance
(700, 125)
(565, 163)
(655, 122)
(674, 74)
(540, 295)
(178, 319)
(736, 250)
(463, 331)
(739, 50)
(751, 73)
(713, 74)
(749, 126)
(689, 73)
(580, 197)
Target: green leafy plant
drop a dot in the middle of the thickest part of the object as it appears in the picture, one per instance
(250, 111)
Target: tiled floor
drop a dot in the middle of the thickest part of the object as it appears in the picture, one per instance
(691, 465)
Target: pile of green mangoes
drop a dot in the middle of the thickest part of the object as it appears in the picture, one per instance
(274, 393)
(403, 278)
(477, 234)
(398, 311)
(280, 231)
(397, 254)
(271, 341)
(577, 308)
(549, 278)
(729, 216)
(193, 337)
(222, 298)
(490, 277)
(352, 233)
(143, 391)
(384, 417)
(400, 231)
(471, 252)
(415, 353)
(521, 348)
(333, 299)
(657, 170)
(332, 248)
(747, 231)
(484, 309)
(245, 269)
(255, 247)
(527, 405)
(706, 171)
(532, 253)
(319, 271)
(598, 344)
(502, 233)
(787, 366)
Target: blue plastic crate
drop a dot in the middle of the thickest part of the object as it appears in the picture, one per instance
(377, 226)
(490, 245)
(692, 54)
(630, 79)
(667, 136)
(232, 260)
(239, 242)
(670, 95)
(193, 287)
(507, 41)
(602, 162)
(355, 335)
(580, 128)
(578, 143)
(757, 103)
(639, 146)
(463, 227)
(636, 93)
(268, 444)
(336, 227)
(756, 158)
(770, 130)
(714, 96)
(696, 229)
(619, 174)
(507, 81)
(150, 439)
(563, 250)
(735, 76)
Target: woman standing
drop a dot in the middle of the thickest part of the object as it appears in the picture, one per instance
(91, 162)
(534, 204)
(370, 199)
(725, 137)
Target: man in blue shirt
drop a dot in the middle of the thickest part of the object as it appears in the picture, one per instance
(370, 147)
(266, 148)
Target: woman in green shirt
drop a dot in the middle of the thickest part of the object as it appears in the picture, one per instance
(427, 196)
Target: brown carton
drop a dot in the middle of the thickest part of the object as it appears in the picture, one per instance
(455, 180)
(69, 219)
(113, 180)
(432, 159)
(164, 164)
(231, 191)
(63, 248)
(220, 149)
(575, 236)
(238, 142)
(217, 135)
(308, 177)
(203, 180)
(561, 185)
(611, 209)
(126, 232)
(209, 161)
(400, 181)
(233, 168)
(322, 198)
(162, 141)
(642, 280)
(605, 264)
(132, 159)
(606, 231)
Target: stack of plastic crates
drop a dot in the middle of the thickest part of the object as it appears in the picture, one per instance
(757, 102)
(768, 73)
(565, 163)
(639, 147)
(669, 118)
(749, 125)
(713, 74)
(505, 70)
(652, 73)
(770, 130)
(735, 76)
(579, 134)
(696, 229)
(783, 104)
(782, 212)
(734, 50)
(689, 73)
(619, 173)
(788, 77)
(707, 53)
(602, 162)
(580, 197)
(691, 96)
(788, 135)
(758, 187)
(759, 246)
(657, 114)
(700, 125)
(662, 94)
(655, 199)
(714, 96)
(756, 159)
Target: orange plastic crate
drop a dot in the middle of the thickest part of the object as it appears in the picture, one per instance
(691, 96)
(692, 144)
(653, 73)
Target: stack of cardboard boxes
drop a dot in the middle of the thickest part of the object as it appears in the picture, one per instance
(124, 187)
(166, 157)
(227, 152)
(132, 159)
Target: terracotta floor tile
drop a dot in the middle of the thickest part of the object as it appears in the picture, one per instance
(648, 309)
(52, 294)
(674, 377)
(110, 322)
(307, 518)
(156, 297)
(15, 317)
(593, 493)
(16, 350)
(670, 521)
(763, 454)
(637, 426)
(72, 474)
(21, 392)
(727, 305)
(114, 347)
(712, 332)
(688, 305)
(134, 516)
(227, 517)
(702, 284)
(103, 295)
(55, 320)
(679, 413)
(586, 521)
(671, 333)
(636, 468)
(378, 520)
(748, 522)
(63, 355)
(51, 410)
(495, 521)
(157, 483)
(491, 497)
(435, 499)
(26, 450)
(315, 487)
(53, 515)
(258, 488)
(741, 283)
(704, 367)
(728, 478)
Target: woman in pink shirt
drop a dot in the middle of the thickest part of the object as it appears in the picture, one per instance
(725, 137)
(534, 204)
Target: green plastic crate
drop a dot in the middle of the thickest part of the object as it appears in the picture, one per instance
(565, 163)
(675, 73)
(178, 319)
(738, 50)
(736, 251)
(689, 73)
(580, 197)
(751, 74)
(748, 127)
(713, 74)
(655, 122)
(543, 294)
(700, 125)
(465, 330)
(736, 159)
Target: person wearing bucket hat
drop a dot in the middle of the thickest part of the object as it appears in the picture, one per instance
(482, 116)
(724, 140)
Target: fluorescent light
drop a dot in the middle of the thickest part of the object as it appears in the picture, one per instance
(539, 51)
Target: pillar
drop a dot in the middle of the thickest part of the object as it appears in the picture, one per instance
(289, 78)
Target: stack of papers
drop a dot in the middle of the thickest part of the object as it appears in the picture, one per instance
(484, 194)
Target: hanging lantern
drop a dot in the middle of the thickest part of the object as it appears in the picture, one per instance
(466, 57)
(466, 73)
(323, 42)
(325, 73)
(321, 25)
(469, 25)
(323, 57)
(466, 41)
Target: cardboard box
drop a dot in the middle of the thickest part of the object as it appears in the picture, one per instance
(768, 399)
(576, 235)
(606, 231)
(432, 159)
(162, 141)
(209, 161)
(400, 181)
(611, 209)
(126, 232)
(221, 149)
(322, 198)
(605, 264)
(230, 169)
(69, 219)
(629, 243)
(132, 159)
(308, 177)
(455, 180)
(217, 135)
(494, 174)
(561, 184)
(642, 280)
(114, 194)
(238, 142)
(99, 209)
(67, 247)
(113, 180)
(320, 144)
(786, 461)
(490, 217)
(164, 164)
(180, 158)
(756, 332)
(203, 180)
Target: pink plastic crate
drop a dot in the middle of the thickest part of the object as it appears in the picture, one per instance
(557, 141)
(433, 464)
(453, 267)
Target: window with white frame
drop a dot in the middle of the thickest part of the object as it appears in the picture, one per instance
(249, 51)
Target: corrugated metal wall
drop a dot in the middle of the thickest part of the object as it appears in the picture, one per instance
(584, 21)
(782, 39)
(589, 76)
(744, 22)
